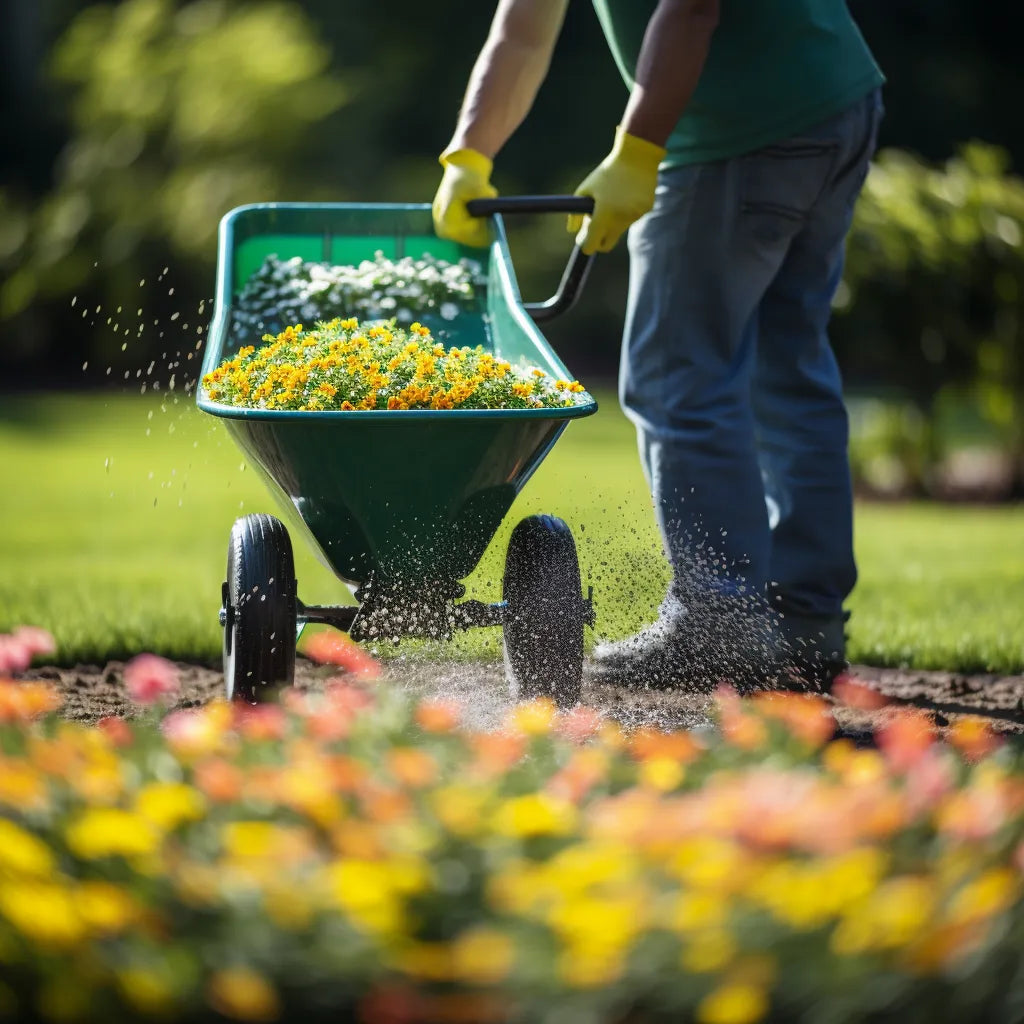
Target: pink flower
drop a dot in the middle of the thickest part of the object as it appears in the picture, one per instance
(37, 640)
(149, 679)
(15, 656)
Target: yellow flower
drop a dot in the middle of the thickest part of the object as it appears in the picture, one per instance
(662, 773)
(23, 854)
(535, 814)
(899, 911)
(586, 968)
(42, 911)
(108, 832)
(534, 717)
(482, 956)
(696, 911)
(168, 804)
(733, 1003)
(600, 927)
(242, 994)
(989, 894)
(707, 862)
(708, 951)
(105, 908)
(372, 892)
(250, 839)
(287, 906)
(459, 807)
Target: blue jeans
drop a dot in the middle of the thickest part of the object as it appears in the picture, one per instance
(728, 374)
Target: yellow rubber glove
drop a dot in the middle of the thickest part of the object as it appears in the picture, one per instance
(622, 187)
(466, 176)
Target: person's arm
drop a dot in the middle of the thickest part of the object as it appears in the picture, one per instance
(502, 87)
(669, 66)
(671, 59)
(507, 74)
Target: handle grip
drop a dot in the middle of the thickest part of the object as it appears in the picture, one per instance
(576, 270)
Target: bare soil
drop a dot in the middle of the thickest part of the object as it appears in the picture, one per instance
(91, 692)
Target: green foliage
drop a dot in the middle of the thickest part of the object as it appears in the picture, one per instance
(177, 115)
(934, 289)
(114, 530)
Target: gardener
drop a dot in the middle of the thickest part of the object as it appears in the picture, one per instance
(743, 146)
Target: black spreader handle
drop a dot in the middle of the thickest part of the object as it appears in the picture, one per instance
(579, 264)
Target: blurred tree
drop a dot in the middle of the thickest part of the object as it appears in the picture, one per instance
(177, 114)
(933, 295)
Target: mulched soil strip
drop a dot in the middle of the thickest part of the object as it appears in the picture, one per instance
(91, 692)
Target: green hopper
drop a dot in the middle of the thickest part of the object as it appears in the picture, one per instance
(400, 505)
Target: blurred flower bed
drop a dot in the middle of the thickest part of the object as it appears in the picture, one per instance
(352, 855)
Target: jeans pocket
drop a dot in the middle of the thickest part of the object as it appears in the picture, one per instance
(783, 181)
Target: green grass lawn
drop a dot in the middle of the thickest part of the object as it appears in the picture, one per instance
(116, 512)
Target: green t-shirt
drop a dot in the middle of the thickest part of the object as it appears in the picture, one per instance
(774, 68)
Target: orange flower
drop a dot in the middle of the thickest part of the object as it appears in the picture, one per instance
(973, 737)
(218, 780)
(260, 721)
(438, 715)
(973, 814)
(412, 767)
(743, 730)
(330, 647)
(855, 694)
(584, 770)
(21, 702)
(649, 744)
(116, 729)
(905, 738)
(579, 724)
(805, 716)
(497, 751)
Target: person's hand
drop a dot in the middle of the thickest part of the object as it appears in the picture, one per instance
(466, 176)
(622, 187)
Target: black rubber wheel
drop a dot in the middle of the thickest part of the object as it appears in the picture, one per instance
(259, 610)
(544, 612)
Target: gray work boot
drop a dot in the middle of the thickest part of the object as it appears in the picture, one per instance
(709, 640)
(812, 649)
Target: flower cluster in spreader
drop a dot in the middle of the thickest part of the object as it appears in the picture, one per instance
(349, 853)
(348, 367)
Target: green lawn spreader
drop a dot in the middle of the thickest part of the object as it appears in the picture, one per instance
(400, 505)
